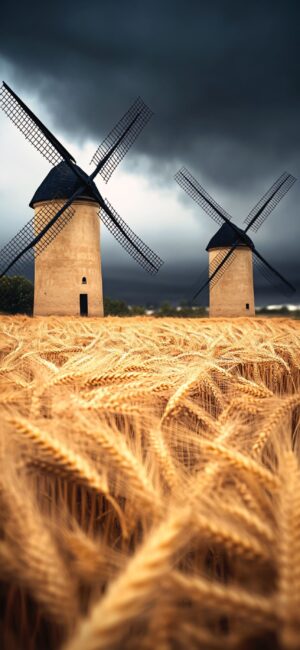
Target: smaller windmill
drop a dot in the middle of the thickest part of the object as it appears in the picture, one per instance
(232, 252)
(63, 237)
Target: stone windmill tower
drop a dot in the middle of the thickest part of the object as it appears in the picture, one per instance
(63, 237)
(231, 251)
(74, 286)
(233, 294)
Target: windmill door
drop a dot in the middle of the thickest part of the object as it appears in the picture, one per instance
(83, 298)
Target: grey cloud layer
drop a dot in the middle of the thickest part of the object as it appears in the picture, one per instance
(222, 77)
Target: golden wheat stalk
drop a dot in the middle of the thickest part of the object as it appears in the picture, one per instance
(288, 522)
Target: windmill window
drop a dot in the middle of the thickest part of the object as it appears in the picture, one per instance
(247, 305)
(84, 281)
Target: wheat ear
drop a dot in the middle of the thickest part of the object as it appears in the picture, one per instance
(158, 445)
(126, 464)
(278, 414)
(230, 599)
(34, 557)
(126, 597)
(75, 466)
(241, 462)
(231, 537)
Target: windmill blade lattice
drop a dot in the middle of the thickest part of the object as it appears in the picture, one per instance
(218, 268)
(17, 267)
(220, 264)
(26, 235)
(130, 126)
(271, 275)
(144, 255)
(269, 201)
(201, 281)
(31, 127)
(191, 186)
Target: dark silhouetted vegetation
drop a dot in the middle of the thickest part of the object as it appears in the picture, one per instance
(283, 311)
(184, 310)
(115, 307)
(16, 295)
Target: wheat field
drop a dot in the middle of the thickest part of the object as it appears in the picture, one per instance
(149, 484)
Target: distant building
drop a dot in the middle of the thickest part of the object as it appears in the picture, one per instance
(68, 276)
(233, 293)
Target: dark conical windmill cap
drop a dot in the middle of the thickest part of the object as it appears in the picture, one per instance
(226, 237)
(61, 183)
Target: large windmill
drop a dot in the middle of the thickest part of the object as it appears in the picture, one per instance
(232, 252)
(63, 237)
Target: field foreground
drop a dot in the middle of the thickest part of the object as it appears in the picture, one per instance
(149, 484)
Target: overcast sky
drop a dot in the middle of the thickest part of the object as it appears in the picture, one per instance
(223, 81)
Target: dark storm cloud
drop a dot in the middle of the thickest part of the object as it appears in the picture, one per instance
(222, 77)
(178, 283)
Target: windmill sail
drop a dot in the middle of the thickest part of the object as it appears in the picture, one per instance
(191, 186)
(31, 127)
(271, 275)
(269, 201)
(120, 139)
(13, 255)
(220, 264)
(216, 270)
(129, 240)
